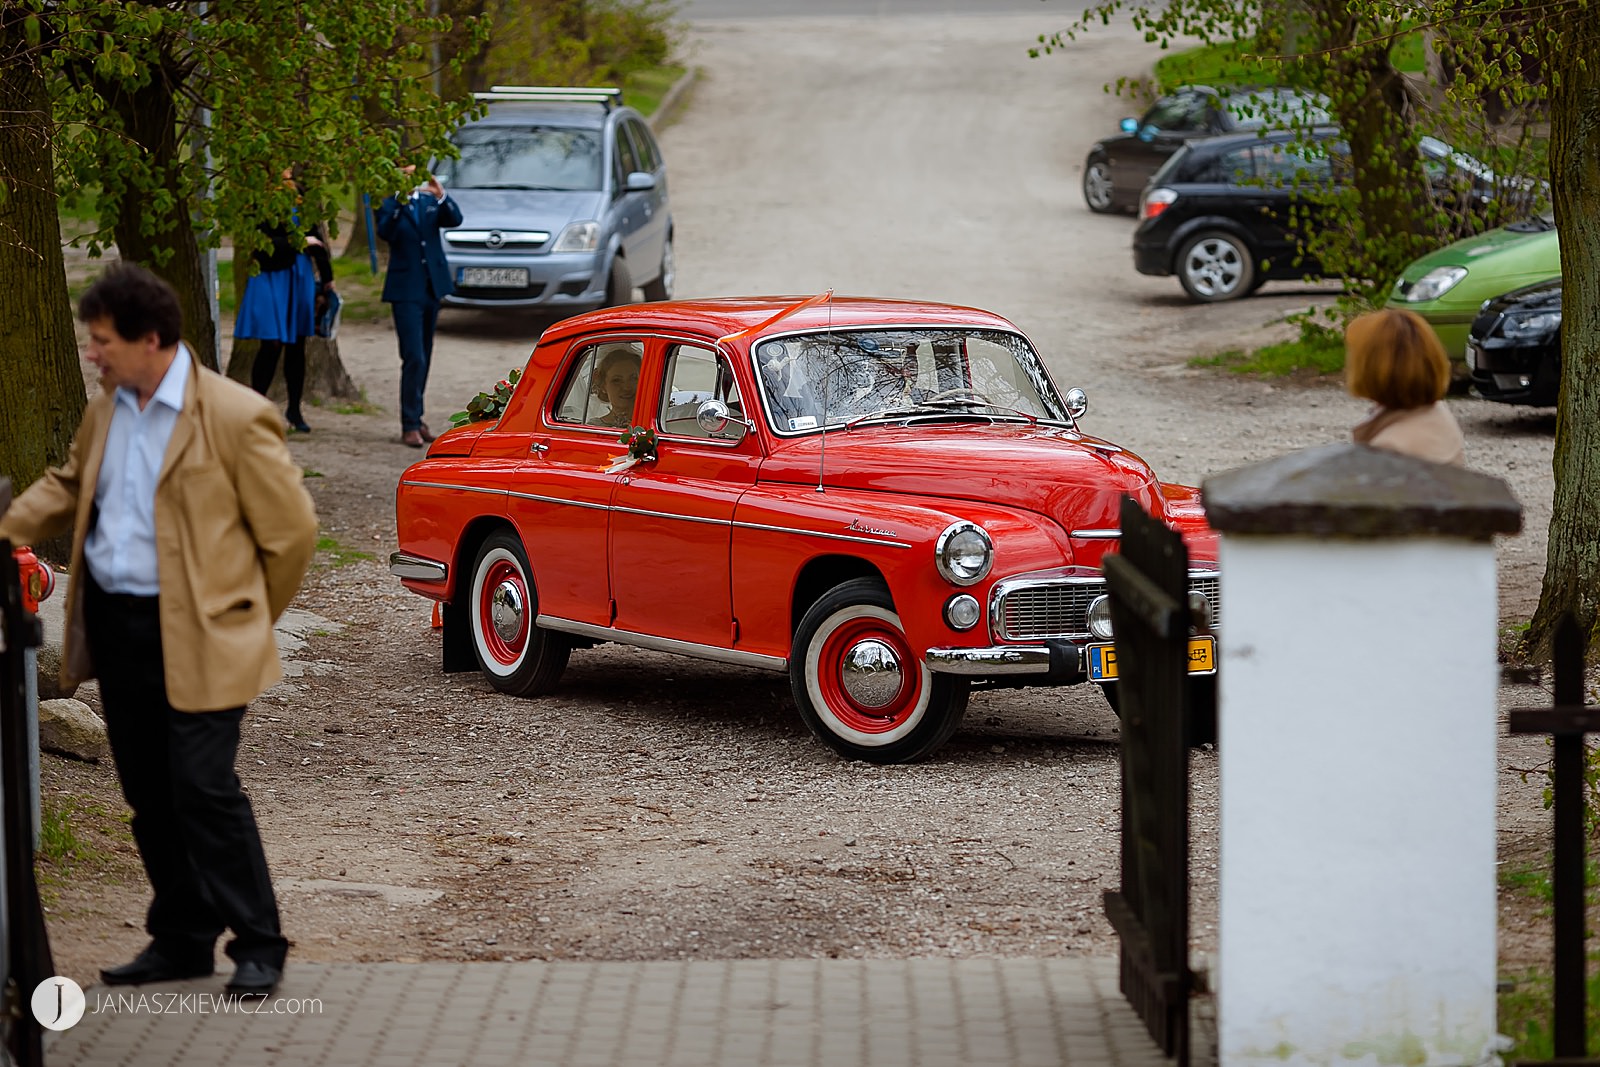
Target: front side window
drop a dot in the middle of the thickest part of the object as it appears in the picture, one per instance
(601, 385)
(524, 157)
(695, 375)
(833, 379)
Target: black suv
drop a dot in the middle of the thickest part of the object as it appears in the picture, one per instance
(1119, 166)
(1218, 214)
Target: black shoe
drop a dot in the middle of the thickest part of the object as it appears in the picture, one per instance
(252, 978)
(151, 966)
(297, 424)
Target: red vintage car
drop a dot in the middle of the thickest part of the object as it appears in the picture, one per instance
(888, 500)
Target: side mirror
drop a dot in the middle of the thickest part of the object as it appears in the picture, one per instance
(640, 181)
(1077, 403)
(1129, 125)
(713, 417)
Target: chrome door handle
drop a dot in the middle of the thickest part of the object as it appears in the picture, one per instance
(539, 447)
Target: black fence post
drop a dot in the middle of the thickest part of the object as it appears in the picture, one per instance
(1568, 721)
(28, 959)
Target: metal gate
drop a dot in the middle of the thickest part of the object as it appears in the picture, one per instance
(26, 946)
(1148, 582)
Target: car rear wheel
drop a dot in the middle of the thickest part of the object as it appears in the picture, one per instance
(1215, 266)
(860, 687)
(619, 286)
(661, 288)
(514, 654)
(1098, 191)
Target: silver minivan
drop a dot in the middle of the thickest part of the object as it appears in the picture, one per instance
(563, 197)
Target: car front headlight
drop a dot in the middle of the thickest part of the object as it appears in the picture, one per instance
(1435, 283)
(578, 237)
(963, 553)
(1098, 617)
(1526, 325)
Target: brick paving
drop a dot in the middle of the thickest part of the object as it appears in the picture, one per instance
(738, 1013)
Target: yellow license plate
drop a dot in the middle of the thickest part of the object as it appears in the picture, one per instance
(1101, 660)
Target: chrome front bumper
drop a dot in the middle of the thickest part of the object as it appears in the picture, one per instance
(1062, 659)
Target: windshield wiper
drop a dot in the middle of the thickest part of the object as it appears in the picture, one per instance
(518, 187)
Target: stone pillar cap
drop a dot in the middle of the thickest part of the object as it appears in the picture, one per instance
(1351, 490)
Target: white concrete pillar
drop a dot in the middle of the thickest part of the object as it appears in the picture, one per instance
(1356, 741)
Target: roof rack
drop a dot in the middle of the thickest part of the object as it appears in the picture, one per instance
(607, 98)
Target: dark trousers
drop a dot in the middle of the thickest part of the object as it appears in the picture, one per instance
(193, 824)
(414, 321)
(294, 371)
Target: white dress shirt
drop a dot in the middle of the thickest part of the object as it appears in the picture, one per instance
(121, 548)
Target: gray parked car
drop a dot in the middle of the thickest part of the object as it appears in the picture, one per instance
(563, 196)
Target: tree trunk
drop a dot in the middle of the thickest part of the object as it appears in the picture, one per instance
(166, 241)
(1572, 567)
(41, 384)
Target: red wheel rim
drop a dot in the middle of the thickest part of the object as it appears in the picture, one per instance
(506, 652)
(851, 713)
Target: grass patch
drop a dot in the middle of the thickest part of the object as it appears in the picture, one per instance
(643, 90)
(1314, 353)
(342, 555)
(1239, 63)
(1525, 1017)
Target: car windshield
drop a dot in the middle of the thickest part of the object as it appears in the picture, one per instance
(1277, 108)
(846, 378)
(524, 157)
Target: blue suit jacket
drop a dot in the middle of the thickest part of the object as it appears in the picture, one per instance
(416, 253)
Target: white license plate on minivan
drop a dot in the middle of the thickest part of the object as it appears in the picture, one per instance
(493, 277)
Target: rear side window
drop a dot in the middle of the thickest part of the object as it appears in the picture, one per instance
(1176, 168)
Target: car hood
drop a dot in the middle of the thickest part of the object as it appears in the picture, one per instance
(1507, 250)
(1074, 479)
(1541, 296)
(522, 209)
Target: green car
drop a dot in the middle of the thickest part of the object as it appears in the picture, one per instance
(1448, 287)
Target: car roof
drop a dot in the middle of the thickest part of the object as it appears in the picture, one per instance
(1224, 142)
(723, 316)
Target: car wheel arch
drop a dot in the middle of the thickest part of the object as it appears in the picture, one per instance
(822, 574)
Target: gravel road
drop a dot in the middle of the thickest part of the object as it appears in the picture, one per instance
(664, 808)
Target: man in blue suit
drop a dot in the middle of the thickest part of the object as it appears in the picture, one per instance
(418, 278)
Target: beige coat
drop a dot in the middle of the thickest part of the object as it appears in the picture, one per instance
(235, 532)
(1427, 433)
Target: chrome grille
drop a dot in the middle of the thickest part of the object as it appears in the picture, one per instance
(1056, 608)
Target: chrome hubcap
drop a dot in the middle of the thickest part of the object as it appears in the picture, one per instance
(870, 672)
(506, 610)
(1097, 183)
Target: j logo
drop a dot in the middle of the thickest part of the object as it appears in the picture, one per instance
(58, 1003)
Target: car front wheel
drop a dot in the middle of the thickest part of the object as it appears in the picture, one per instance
(514, 654)
(861, 688)
(1215, 266)
(619, 286)
(661, 288)
(1098, 190)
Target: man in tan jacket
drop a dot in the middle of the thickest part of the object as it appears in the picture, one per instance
(192, 530)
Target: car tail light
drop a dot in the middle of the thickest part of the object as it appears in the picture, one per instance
(1156, 201)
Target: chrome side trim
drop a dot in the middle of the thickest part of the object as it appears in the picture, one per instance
(1095, 535)
(819, 533)
(417, 568)
(669, 515)
(665, 644)
(458, 488)
(983, 662)
(559, 500)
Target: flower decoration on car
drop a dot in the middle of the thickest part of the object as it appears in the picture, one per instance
(488, 407)
(641, 442)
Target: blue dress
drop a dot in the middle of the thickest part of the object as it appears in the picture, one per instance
(278, 305)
